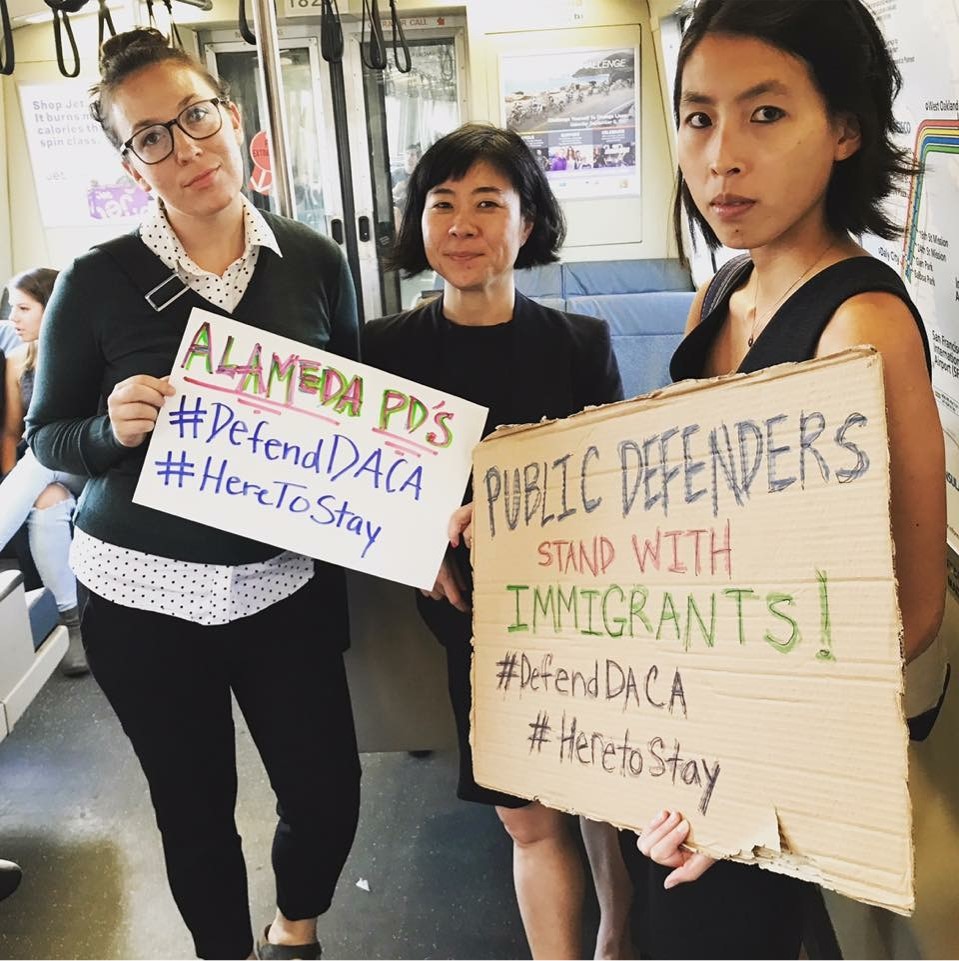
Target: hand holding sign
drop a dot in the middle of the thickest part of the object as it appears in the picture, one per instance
(133, 406)
(662, 841)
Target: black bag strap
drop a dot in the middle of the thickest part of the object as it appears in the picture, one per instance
(722, 282)
(8, 58)
(159, 285)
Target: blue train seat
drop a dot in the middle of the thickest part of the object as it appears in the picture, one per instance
(645, 303)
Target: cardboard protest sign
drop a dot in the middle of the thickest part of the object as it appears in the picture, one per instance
(312, 452)
(687, 601)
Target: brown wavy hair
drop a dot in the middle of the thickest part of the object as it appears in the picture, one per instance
(38, 284)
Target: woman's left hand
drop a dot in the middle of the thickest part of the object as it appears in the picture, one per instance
(662, 840)
(449, 586)
(461, 523)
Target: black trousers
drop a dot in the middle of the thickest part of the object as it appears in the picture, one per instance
(169, 682)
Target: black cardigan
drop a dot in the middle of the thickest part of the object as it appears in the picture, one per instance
(98, 330)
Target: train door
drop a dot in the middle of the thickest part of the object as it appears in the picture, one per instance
(355, 196)
(388, 118)
(317, 191)
(394, 117)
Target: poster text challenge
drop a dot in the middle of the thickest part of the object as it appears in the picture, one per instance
(687, 601)
(312, 452)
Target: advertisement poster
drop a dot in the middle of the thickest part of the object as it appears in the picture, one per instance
(78, 176)
(579, 112)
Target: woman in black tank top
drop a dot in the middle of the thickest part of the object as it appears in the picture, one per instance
(784, 114)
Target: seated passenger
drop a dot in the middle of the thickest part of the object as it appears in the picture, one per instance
(478, 207)
(30, 492)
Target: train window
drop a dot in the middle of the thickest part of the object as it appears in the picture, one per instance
(237, 64)
(406, 112)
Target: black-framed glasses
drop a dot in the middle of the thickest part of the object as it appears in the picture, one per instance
(198, 121)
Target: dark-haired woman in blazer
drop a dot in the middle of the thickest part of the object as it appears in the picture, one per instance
(479, 206)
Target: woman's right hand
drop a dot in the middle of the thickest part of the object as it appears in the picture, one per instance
(134, 405)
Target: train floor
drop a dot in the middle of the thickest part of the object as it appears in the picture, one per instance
(428, 876)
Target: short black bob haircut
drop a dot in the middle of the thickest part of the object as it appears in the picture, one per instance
(449, 159)
(849, 63)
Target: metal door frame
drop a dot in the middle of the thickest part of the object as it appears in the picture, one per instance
(227, 41)
(453, 29)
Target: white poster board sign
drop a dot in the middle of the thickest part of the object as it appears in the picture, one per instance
(79, 178)
(312, 452)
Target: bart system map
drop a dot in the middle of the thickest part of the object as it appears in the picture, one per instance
(921, 35)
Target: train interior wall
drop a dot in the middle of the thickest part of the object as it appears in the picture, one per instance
(597, 232)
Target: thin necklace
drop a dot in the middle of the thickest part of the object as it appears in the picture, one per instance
(771, 311)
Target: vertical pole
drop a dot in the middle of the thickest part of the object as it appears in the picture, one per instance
(267, 43)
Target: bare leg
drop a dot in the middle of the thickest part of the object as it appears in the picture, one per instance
(614, 890)
(284, 931)
(548, 875)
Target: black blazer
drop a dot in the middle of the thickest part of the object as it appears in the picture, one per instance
(559, 362)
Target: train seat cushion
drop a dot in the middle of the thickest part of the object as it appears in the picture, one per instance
(43, 614)
(624, 277)
(541, 282)
(644, 328)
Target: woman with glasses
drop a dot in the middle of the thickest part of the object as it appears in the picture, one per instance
(180, 615)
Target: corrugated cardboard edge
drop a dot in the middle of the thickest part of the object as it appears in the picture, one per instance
(772, 854)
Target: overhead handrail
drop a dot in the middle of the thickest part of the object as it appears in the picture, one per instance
(373, 55)
(8, 58)
(61, 9)
(331, 32)
(174, 31)
(246, 32)
(447, 65)
(104, 23)
(174, 36)
(399, 35)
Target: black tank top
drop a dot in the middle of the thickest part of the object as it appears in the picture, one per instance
(794, 330)
(792, 335)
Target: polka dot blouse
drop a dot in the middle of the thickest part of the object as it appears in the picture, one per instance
(202, 593)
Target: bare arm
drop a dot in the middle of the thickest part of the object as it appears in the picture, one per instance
(917, 456)
(13, 415)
